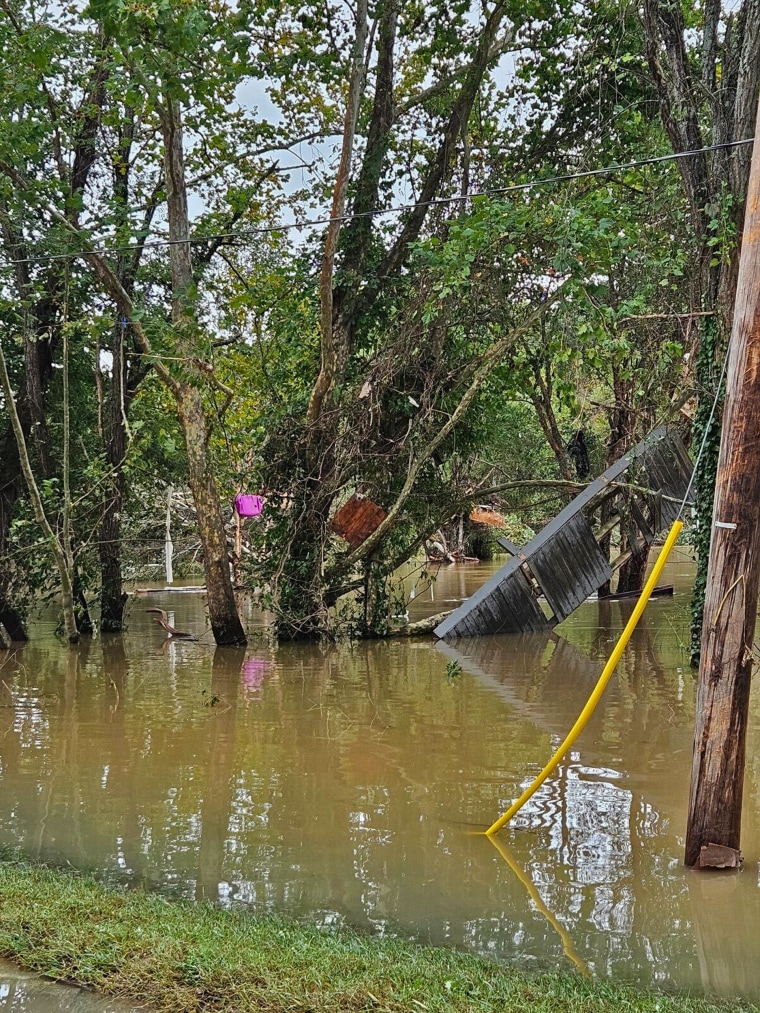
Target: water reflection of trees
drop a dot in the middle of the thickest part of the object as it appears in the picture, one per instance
(220, 770)
(589, 825)
(344, 783)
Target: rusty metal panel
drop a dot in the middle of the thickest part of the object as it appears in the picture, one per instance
(357, 519)
(570, 566)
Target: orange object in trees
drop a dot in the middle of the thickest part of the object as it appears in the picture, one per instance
(484, 515)
(357, 519)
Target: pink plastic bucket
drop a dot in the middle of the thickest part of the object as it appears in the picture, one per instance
(249, 506)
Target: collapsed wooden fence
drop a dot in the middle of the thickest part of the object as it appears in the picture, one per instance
(565, 562)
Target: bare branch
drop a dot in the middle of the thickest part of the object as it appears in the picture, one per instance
(444, 84)
(330, 352)
(108, 279)
(417, 460)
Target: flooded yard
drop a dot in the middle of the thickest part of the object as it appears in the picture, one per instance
(346, 785)
(27, 993)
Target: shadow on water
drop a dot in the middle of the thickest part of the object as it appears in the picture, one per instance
(342, 784)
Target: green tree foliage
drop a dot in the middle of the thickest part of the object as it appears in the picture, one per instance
(82, 157)
(397, 354)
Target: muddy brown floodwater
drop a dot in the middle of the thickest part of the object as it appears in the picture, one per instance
(343, 784)
(26, 993)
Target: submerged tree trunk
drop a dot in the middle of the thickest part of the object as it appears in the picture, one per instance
(13, 623)
(112, 597)
(82, 614)
(10, 489)
(633, 571)
(223, 613)
(222, 607)
(62, 556)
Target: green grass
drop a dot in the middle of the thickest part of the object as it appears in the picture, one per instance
(183, 957)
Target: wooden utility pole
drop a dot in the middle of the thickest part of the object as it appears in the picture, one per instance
(728, 630)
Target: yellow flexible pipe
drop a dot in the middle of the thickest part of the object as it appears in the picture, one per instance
(604, 678)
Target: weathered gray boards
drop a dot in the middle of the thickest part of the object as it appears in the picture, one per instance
(564, 562)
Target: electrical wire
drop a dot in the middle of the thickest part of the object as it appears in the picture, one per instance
(706, 433)
(377, 212)
(625, 636)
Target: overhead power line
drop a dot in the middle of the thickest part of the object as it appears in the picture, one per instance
(260, 230)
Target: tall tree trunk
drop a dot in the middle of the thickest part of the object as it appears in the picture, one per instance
(41, 326)
(62, 558)
(82, 619)
(112, 597)
(222, 607)
(298, 586)
(115, 432)
(125, 381)
(11, 483)
(334, 346)
(223, 613)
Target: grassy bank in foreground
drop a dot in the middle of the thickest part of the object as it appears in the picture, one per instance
(182, 957)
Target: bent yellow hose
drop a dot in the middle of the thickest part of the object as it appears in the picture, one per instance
(604, 678)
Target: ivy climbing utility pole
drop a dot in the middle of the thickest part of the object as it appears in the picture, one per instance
(728, 630)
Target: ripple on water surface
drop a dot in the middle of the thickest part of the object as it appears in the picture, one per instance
(343, 784)
(25, 993)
